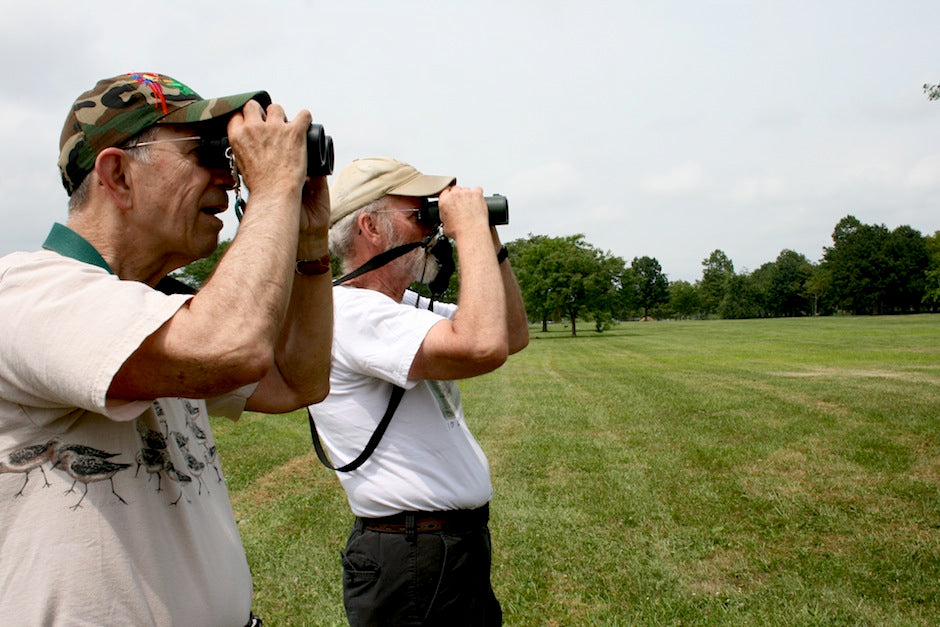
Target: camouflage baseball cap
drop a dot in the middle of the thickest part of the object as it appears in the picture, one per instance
(118, 108)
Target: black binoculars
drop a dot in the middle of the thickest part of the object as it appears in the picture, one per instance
(212, 152)
(497, 205)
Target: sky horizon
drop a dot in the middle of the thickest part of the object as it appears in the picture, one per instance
(666, 130)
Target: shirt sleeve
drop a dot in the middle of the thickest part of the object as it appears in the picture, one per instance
(376, 336)
(70, 327)
(231, 405)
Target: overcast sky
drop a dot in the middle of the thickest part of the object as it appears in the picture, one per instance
(661, 129)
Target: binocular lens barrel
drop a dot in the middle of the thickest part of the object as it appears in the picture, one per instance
(319, 151)
(496, 205)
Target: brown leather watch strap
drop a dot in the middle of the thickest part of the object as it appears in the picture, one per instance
(313, 267)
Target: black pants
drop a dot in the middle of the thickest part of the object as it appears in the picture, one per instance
(425, 578)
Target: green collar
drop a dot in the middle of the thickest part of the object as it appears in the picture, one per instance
(68, 243)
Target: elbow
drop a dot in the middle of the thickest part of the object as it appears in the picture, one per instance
(252, 365)
(306, 386)
(519, 341)
(245, 355)
(489, 358)
(319, 391)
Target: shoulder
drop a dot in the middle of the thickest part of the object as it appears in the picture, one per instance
(45, 270)
(363, 315)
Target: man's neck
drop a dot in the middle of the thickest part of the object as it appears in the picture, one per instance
(122, 252)
(378, 283)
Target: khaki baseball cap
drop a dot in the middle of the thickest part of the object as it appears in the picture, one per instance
(366, 180)
(118, 108)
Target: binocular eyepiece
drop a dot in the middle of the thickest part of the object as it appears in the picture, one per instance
(497, 206)
(319, 152)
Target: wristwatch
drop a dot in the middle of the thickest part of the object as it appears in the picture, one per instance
(313, 267)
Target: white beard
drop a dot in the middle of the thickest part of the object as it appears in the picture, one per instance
(422, 266)
(418, 264)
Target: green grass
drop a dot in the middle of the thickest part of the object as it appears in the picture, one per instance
(782, 472)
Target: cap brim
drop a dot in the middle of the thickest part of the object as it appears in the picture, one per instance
(423, 185)
(202, 110)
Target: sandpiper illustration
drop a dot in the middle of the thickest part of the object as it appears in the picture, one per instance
(197, 431)
(27, 459)
(179, 477)
(210, 459)
(150, 438)
(195, 468)
(87, 469)
(59, 447)
(154, 461)
(182, 440)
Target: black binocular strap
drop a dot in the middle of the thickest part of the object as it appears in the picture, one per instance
(394, 399)
(378, 261)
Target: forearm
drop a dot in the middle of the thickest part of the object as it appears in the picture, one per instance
(481, 314)
(517, 322)
(247, 295)
(301, 373)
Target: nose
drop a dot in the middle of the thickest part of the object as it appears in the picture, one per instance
(426, 229)
(223, 177)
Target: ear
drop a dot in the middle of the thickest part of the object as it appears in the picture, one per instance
(111, 166)
(369, 228)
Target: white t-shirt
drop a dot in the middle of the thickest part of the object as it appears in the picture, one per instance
(427, 460)
(110, 513)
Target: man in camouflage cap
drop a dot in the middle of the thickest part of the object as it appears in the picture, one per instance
(103, 376)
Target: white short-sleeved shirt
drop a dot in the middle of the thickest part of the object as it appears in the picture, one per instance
(110, 513)
(427, 460)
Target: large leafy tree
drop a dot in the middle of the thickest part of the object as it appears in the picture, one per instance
(567, 277)
(684, 301)
(606, 294)
(875, 270)
(742, 298)
(651, 288)
(907, 262)
(534, 264)
(786, 293)
(717, 271)
(817, 285)
(854, 263)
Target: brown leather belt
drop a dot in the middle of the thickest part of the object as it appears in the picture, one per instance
(427, 522)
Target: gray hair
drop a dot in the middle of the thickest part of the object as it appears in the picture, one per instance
(143, 154)
(342, 233)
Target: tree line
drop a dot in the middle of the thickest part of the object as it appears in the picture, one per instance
(869, 269)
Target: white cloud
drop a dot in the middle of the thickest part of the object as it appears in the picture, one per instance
(683, 179)
(757, 190)
(925, 175)
(548, 180)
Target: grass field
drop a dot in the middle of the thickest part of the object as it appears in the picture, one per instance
(756, 472)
